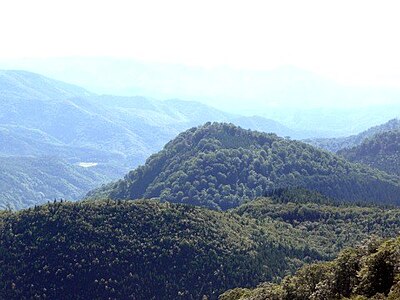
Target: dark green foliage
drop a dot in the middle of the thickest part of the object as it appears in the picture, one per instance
(299, 195)
(221, 165)
(322, 224)
(137, 250)
(370, 272)
(382, 151)
(145, 249)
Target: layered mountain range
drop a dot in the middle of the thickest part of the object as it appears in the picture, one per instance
(42, 117)
(215, 211)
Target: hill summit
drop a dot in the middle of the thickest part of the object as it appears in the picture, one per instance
(219, 165)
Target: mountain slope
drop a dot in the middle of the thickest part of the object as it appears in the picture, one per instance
(369, 272)
(150, 250)
(322, 223)
(135, 250)
(336, 144)
(382, 151)
(40, 116)
(69, 122)
(295, 97)
(21, 141)
(220, 165)
(131, 126)
(23, 84)
(29, 181)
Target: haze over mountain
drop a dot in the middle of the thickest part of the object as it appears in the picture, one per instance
(29, 181)
(336, 144)
(77, 118)
(45, 119)
(295, 97)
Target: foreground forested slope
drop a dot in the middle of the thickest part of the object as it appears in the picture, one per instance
(145, 249)
(368, 272)
(136, 250)
(322, 223)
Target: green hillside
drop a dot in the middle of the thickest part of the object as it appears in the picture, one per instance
(323, 224)
(368, 272)
(219, 166)
(136, 250)
(150, 250)
(382, 151)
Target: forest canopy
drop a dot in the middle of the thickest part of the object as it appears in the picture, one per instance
(220, 165)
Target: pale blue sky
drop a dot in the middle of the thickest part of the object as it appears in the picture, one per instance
(352, 42)
(285, 60)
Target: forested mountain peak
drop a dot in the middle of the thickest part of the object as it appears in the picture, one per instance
(44, 117)
(220, 165)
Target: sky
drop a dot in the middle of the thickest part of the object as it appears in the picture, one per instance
(285, 60)
(352, 42)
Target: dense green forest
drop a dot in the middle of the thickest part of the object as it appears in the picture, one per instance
(381, 151)
(370, 271)
(144, 249)
(137, 250)
(336, 144)
(323, 224)
(220, 165)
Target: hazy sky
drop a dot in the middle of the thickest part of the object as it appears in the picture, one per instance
(353, 42)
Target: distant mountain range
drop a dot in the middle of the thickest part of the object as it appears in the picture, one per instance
(297, 98)
(41, 117)
(110, 135)
(73, 117)
(336, 144)
(28, 181)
